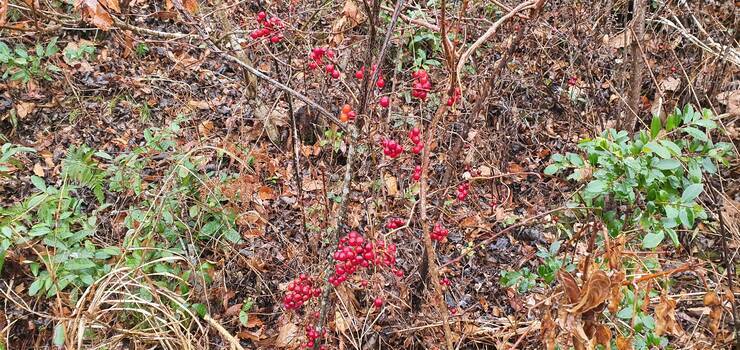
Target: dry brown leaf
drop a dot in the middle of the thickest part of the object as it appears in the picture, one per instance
(731, 99)
(114, 5)
(665, 317)
(38, 170)
(670, 84)
(94, 11)
(266, 193)
(711, 299)
(624, 343)
(391, 185)
(23, 109)
(602, 336)
(312, 185)
(287, 335)
(190, 5)
(340, 323)
(205, 128)
(549, 331)
(615, 292)
(569, 284)
(3, 11)
(350, 18)
(594, 292)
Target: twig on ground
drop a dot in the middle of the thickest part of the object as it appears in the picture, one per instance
(233, 342)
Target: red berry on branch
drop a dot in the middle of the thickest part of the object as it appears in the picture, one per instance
(378, 303)
(384, 102)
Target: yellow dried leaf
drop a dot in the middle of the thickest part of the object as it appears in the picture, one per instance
(391, 185)
(287, 335)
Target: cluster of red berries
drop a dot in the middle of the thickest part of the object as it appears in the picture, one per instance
(422, 85)
(391, 148)
(269, 28)
(388, 257)
(394, 223)
(451, 101)
(572, 81)
(439, 233)
(313, 334)
(415, 136)
(317, 56)
(352, 252)
(462, 191)
(360, 74)
(445, 282)
(299, 292)
(416, 176)
(347, 113)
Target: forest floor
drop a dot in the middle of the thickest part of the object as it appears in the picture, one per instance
(157, 194)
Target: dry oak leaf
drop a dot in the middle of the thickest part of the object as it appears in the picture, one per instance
(594, 292)
(95, 11)
(665, 317)
(24, 108)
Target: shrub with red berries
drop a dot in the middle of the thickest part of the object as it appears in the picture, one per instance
(269, 27)
(354, 253)
(439, 233)
(317, 56)
(300, 291)
(391, 148)
(384, 102)
(415, 136)
(462, 191)
(422, 85)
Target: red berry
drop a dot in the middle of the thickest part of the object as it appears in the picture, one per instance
(359, 75)
(329, 68)
(384, 102)
(380, 83)
(335, 75)
(276, 39)
(261, 16)
(378, 303)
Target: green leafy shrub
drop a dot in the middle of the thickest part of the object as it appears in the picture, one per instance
(19, 64)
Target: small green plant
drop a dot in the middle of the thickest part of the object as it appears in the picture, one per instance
(334, 138)
(142, 49)
(83, 52)
(523, 279)
(20, 65)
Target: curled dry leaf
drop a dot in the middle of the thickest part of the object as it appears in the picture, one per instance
(711, 300)
(602, 336)
(594, 292)
(665, 317)
(569, 284)
(615, 292)
(350, 18)
(549, 331)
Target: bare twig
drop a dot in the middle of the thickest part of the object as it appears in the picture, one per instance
(233, 342)
(487, 35)
(638, 30)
